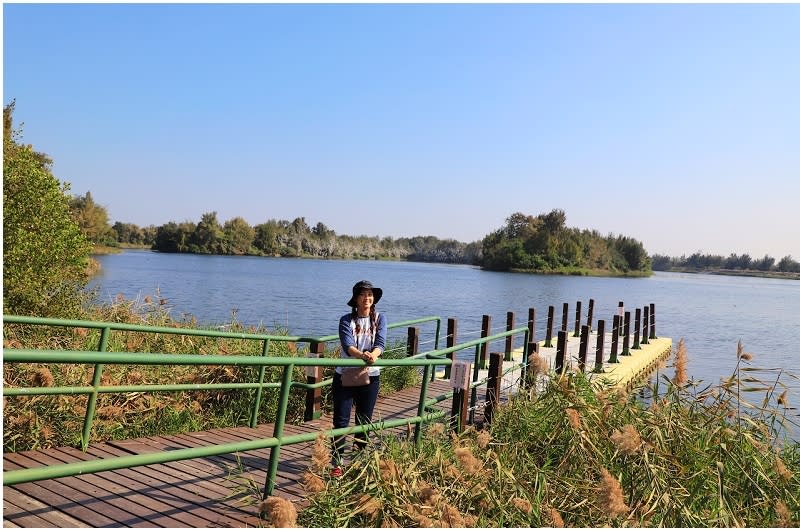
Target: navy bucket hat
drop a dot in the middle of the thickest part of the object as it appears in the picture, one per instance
(377, 293)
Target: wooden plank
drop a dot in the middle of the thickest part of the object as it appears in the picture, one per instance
(254, 465)
(34, 507)
(21, 517)
(132, 509)
(172, 493)
(154, 509)
(100, 502)
(37, 490)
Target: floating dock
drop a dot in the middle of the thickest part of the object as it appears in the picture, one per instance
(629, 369)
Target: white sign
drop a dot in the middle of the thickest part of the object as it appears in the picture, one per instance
(312, 371)
(459, 374)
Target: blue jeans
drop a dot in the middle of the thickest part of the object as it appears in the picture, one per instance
(364, 397)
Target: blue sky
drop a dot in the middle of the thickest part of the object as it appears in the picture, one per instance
(676, 124)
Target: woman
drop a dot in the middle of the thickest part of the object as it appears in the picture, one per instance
(362, 333)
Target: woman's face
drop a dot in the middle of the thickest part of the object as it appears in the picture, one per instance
(364, 301)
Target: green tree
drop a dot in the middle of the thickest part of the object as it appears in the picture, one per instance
(208, 235)
(91, 218)
(239, 236)
(266, 237)
(45, 254)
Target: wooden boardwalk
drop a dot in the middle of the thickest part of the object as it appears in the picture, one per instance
(219, 491)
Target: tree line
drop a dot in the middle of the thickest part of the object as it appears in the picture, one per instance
(733, 262)
(543, 243)
(49, 234)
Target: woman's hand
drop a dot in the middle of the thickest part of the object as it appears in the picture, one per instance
(369, 357)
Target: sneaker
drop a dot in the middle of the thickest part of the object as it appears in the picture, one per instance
(337, 472)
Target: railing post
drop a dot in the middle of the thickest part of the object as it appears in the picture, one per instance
(423, 394)
(591, 314)
(452, 333)
(577, 319)
(509, 339)
(614, 340)
(412, 346)
(486, 327)
(620, 312)
(653, 321)
(493, 385)
(533, 348)
(626, 341)
(636, 328)
(548, 340)
(583, 348)
(561, 350)
(598, 355)
(532, 325)
(260, 390)
(645, 325)
(91, 403)
(530, 374)
(313, 376)
(564, 316)
(460, 407)
(280, 420)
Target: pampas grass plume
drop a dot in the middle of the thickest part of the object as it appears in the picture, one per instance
(469, 462)
(628, 440)
(681, 359)
(280, 512)
(523, 505)
(611, 499)
(312, 483)
(574, 418)
(320, 454)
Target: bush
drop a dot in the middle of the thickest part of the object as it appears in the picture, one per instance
(45, 254)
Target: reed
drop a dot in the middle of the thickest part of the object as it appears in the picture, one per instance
(577, 456)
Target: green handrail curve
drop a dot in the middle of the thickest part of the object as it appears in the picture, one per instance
(100, 358)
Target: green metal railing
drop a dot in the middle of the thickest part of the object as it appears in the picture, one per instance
(105, 331)
(427, 361)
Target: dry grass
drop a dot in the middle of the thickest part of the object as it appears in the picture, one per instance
(576, 457)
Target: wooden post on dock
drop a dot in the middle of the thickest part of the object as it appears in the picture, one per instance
(548, 340)
(653, 321)
(621, 313)
(533, 349)
(561, 351)
(460, 408)
(564, 316)
(591, 314)
(509, 339)
(452, 332)
(313, 408)
(626, 338)
(493, 382)
(636, 328)
(583, 349)
(577, 319)
(614, 340)
(486, 327)
(412, 346)
(645, 325)
(598, 355)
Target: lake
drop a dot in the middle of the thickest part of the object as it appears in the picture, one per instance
(307, 296)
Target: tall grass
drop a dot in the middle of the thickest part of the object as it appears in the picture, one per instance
(580, 456)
